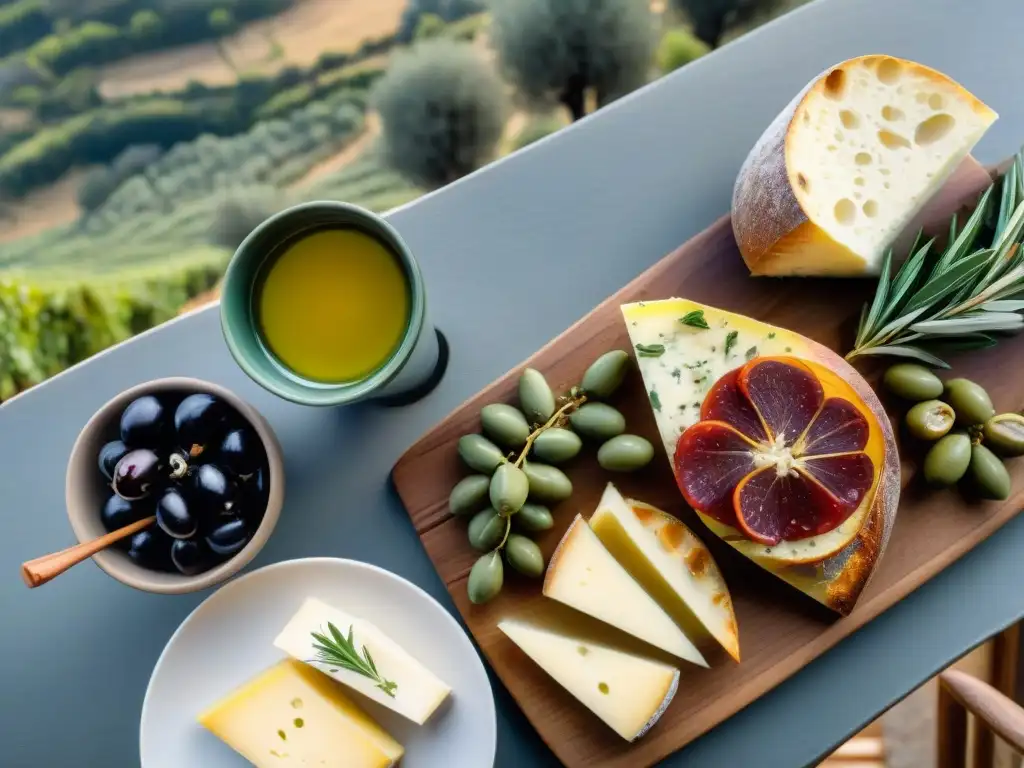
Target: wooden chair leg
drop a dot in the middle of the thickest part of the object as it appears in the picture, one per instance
(951, 724)
(1003, 677)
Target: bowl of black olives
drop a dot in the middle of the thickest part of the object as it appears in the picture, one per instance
(193, 455)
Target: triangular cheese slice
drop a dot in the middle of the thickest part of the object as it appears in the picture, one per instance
(628, 692)
(672, 564)
(584, 575)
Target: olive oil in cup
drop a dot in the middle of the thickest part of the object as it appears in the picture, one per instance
(323, 304)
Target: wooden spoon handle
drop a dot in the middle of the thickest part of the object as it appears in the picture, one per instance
(42, 569)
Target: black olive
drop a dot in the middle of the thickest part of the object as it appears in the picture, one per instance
(241, 452)
(144, 423)
(109, 455)
(228, 537)
(211, 489)
(190, 556)
(137, 473)
(151, 548)
(199, 421)
(252, 497)
(173, 515)
(118, 512)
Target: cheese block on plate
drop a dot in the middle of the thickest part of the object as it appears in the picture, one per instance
(400, 683)
(847, 165)
(583, 574)
(630, 693)
(672, 564)
(831, 556)
(291, 715)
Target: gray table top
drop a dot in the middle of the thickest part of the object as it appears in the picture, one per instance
(557, 228)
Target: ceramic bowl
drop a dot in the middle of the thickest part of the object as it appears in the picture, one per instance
(86, 489)
(409, 366)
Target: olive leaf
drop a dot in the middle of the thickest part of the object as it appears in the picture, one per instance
(971, 290)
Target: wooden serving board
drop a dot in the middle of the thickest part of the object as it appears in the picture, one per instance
(780, 629)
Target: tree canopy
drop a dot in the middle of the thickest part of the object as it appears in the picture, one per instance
(713, 18)
(558, 50)
(443, 110)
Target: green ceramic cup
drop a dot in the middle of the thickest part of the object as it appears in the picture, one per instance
(411, 364)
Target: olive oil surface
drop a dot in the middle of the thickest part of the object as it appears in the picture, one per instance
(334, 306)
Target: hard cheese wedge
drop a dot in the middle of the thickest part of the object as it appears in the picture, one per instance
(847, 165)
(833, 567)
(583, 575)
(291, 715)
(416, 692)
(628, 692)
(672, 564)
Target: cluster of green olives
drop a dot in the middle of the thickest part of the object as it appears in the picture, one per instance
(968, 436)
(510, 497)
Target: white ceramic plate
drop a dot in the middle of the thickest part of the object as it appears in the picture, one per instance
(229, 639)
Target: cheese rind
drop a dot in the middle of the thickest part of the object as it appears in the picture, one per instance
(628, 692)
(418, 691)
(832, 567)
(846, 166)
(671, 564)
(291, 715)
(584, 575)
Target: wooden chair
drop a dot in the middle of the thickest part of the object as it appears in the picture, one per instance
(994, 712)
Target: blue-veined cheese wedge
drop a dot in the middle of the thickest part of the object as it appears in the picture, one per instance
(681, 360)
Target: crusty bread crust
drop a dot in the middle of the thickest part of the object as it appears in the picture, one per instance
(850, 570)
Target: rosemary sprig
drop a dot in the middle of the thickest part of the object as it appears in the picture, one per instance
(963, 298)
(340, 651)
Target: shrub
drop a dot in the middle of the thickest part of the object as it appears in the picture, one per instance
(447, 10)
(556, 50)
(240, 212)
(430, 25)
(22, 23)
(443, 110)
(91, 43)
(221, 21)
(679, 47)
(535, 130)
(72, 95)
(146, 25)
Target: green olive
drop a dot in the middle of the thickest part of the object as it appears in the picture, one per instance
(547, 483)
(524, 555)
(485, 578)
(556, 445)
(930, 420)
(597, 421)
(1004, 434)
(989, 473)
(469, 495)
(625, 453)
(505, 424)
(947, 460)
(509, 488)
(480, 454)
(605, 374)
(970, 401)
(533, 518)
(535, 396)
(912, 382)
(486, 529)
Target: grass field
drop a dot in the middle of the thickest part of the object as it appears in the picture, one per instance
(297, 37)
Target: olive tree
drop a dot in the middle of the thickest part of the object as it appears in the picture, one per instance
(711, 19)
(239, 212)
(442, 109)
(558, 50)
